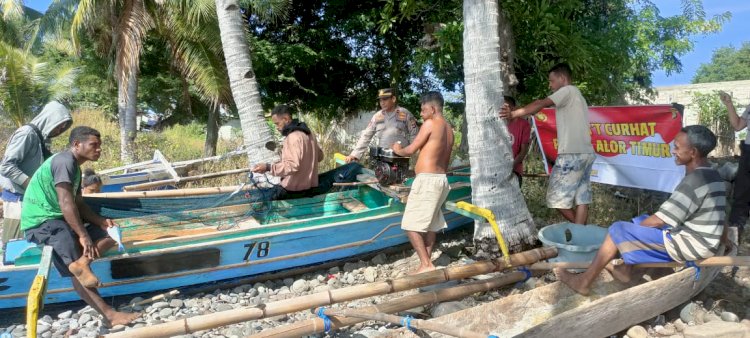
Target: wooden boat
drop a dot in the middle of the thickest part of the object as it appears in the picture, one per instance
(200, 246)
(554, 310)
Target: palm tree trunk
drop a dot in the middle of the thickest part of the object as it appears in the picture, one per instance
(255, 131)
(212, 131)
(490, 153)
(126, 112)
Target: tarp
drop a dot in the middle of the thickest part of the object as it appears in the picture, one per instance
(633, 144)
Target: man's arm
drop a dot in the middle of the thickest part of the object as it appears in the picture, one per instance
(89, 215)
(411, 125)
(521, 154)
(653, 221)
(419, 141)
(15, 153)
(525, 142)
(531, 108)
(736, 122)
(364, 140)
(70, 213)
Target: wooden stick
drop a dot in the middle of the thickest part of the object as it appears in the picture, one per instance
(317, 325)
(171, 193)
(153, 299)
(349, 184)
(713, 261)
(414, 323)
(155, 184)
(208, 321)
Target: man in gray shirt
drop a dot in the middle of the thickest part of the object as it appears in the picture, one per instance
(741, 191)
(391, 124)
(27, 148)
(569, 189)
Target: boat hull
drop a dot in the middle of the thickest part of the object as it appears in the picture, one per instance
(177, 262)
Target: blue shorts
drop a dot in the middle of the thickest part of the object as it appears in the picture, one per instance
(639, 244)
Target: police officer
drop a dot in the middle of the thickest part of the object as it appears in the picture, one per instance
(391, 124)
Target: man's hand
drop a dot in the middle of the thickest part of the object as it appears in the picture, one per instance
(397, 147)
(108, 223)
(89, 250)
(505, 112)
(261, 168)
(350, 159)
(725, 98)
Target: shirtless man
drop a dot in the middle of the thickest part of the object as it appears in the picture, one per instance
(423, 216)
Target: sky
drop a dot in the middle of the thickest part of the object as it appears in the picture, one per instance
(733, 33)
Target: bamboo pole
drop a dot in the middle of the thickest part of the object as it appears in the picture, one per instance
(153, 299)
(171, 193)
(154, 184)
(412, 323)
(317, 325)
(713, 261)
(349, 184)
(209, 321)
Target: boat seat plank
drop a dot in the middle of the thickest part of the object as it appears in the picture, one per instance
(354, 205)
(149, 236)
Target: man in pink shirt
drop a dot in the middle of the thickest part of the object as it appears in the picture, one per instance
(520, 131)
(300, 154)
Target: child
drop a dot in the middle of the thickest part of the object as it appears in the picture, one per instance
(92, 183)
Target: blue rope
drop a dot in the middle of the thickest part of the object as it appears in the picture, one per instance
(406, 322)
(691, 264)
(492, 336)
(526, 272)
(326, 320)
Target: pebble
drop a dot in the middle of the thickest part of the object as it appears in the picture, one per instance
(379, 259)
(300, 286)
(176, 303)
(729, 317)
(166, 312)
(159, 305)
(65, 315)
(370, 274)
(637, 332)
(85, 318)
(679, 325)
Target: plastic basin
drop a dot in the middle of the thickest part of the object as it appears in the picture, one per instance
(574, 242)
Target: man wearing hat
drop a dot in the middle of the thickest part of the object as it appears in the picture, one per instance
(391, 124)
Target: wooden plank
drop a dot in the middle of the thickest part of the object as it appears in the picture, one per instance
(166, 165)
(354, 205)
(35, 300)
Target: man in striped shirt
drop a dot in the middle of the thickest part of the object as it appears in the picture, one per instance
(687, 227)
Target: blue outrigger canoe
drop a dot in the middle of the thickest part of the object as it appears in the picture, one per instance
(201, 246)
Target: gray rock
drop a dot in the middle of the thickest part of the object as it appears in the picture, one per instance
(637, 332)
(159, 305)
(679, 325)
(65, 315)
(370, 274)
(349, 267)
(176, 303)
(223, 307)
(715, 329)
(117, 328)
(43, 328)
(239, 289)
(251, 293)
(73, 324)
(85, 318)
(379, 259)
(350, 279)
(710, 317)
(666, 330)
(288, 281)
(692, 312)
(47, 334)
(334, 270)
(313, 283)
(729, 317)
(443, 260)
(443, 309)
(165, 312)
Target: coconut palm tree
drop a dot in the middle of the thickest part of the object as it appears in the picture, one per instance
(27, 80)
(255, 131)
(492, 182)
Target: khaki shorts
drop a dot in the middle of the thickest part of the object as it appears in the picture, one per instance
(11, 222)
(570, 181)
(424, 205)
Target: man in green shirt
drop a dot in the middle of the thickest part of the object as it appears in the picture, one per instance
(54, 214)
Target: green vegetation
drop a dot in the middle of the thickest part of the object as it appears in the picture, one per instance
(727, 64)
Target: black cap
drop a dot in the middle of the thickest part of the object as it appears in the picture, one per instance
(385, 93)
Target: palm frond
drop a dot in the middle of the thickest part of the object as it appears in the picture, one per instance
(12, 9)
(62, 80)
(269, 10)
(84, 15)
(131, 29)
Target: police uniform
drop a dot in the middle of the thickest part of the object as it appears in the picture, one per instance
(399, 125)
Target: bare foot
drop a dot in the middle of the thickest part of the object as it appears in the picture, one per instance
(81, 270)
(121, 318)
(620, 272)
(422, 269)
(573, 281)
